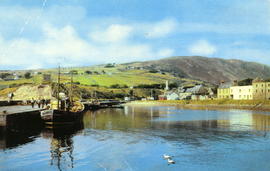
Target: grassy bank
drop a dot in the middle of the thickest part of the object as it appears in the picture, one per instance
(216, 102)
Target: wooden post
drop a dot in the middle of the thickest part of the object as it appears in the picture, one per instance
(58, 88)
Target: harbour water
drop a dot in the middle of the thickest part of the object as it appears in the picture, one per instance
(136, 137)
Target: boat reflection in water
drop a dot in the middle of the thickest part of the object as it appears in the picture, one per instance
(61, 145)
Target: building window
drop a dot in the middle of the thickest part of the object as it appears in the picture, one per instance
(262, 85)
(240, 90)
(256, 85)
(262, 91)
(239, 96)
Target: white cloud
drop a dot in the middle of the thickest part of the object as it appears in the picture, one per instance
(70, 38)
(160, 29)
(202, 47)
(64, 45)
(114, 33)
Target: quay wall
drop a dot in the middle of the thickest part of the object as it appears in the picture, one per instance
(20, 119)
(14, 102)
(260, 105)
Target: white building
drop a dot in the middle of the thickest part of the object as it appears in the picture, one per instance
(172, 96)
(241, 92)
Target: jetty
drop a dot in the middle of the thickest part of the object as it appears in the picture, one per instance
(15, 115)
(98, 104)
(11, 115)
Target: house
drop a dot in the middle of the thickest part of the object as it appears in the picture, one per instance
(241, 92)
(126, 98)
(261, 89)
(172, 96)
(11, 78)
(224, 91)
(183, 95)
(162, 97)
(198, 92)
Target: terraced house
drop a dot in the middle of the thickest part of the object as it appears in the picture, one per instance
(242, 92)
(261, 89)
(224, 91)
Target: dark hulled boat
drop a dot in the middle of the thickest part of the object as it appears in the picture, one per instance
(63, 116)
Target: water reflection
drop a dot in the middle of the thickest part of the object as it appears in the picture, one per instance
(12, 137)
(136, 137)
(61, 144)
(185, 126)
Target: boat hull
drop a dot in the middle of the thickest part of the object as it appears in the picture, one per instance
(60, 117)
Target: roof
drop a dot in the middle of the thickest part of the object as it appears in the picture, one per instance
(194, 89)
(257, 80)
(225, 85)
(171, 93)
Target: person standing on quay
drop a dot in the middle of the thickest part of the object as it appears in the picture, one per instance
(33, 102)
(10, 97)
(39, 103)
(42, 103)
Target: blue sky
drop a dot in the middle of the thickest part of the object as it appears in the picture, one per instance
(43, 33)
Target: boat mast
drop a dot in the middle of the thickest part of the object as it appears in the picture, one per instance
(58, 87)
(71, 88)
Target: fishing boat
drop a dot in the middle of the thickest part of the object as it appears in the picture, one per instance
(64, 115)
(63, 110)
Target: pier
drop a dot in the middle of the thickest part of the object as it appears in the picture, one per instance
(19, 114)
(102, 104)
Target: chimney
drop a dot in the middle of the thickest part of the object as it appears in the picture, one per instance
(222, 82)
(235, 82)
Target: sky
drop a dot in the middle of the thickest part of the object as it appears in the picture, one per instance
(45, 33)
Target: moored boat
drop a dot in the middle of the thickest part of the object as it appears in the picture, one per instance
(64, 115)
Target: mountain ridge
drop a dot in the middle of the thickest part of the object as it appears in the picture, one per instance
(207, 69)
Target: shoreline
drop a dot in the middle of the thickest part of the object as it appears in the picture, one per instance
(214, 105)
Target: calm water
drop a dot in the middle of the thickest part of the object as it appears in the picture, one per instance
(135, 138)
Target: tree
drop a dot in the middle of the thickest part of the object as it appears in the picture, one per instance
(115, 86)
(27, 75)
(5, 75)
(88, 72)
(131, 92)
(109, 65)
(173, 85)
(244, 82)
